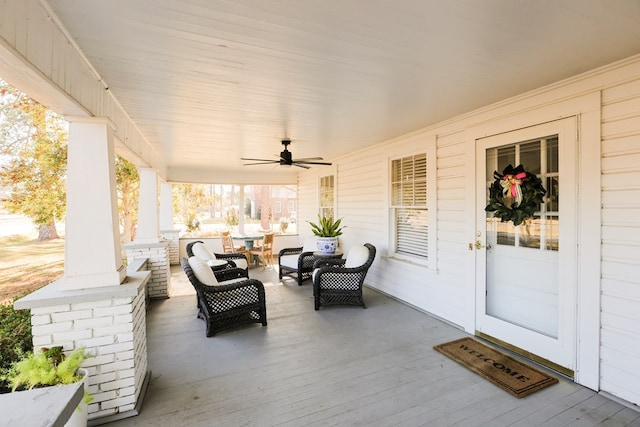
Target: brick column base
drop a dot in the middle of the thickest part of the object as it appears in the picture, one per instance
(111, 323)
(157, 255)
(173, 238)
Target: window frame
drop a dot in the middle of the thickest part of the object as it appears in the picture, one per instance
(424, 146)
(321, 208)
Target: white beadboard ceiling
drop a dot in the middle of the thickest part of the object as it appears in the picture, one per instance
(210, 81)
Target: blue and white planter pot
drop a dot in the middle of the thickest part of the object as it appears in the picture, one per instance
(327, 245)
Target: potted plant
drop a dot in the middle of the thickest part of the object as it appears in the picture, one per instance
(51, 367)
(284, 224)
(327, 231)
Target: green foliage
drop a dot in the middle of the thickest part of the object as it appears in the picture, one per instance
(36, 141)
(128, 189)
(46, 367)
(532, 195)
(15, 334)
(326, 227)
(188, 199)
(231, 217)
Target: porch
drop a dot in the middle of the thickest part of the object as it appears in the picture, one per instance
(336, 366)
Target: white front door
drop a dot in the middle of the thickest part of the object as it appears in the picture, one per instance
(526, 274)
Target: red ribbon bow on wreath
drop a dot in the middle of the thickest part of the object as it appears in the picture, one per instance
(511, 184)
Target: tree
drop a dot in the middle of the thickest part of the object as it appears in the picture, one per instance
(128, 187)
(187, 201)
(35, 141)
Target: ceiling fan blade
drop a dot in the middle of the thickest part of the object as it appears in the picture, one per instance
(312, 163)
(307, 158)
(259, 160)
(300, 165)
(266, 162)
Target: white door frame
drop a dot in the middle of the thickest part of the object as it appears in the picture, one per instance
(588, 221)
(560, 349)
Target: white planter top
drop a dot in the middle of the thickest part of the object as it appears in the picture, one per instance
(49, 406)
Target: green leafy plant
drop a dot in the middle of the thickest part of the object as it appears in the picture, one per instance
(47, 367)
(326, 227)
(231, 217)
(15, 339)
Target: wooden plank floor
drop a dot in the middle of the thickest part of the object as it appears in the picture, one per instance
(335, 367)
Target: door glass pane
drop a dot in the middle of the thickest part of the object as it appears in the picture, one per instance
(506, 157)
(552, 154)
(530, 156)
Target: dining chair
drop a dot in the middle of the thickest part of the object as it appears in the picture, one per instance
(228, 246)
(264, 252)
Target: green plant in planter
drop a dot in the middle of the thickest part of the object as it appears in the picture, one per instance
(326, 227)
(47, 367)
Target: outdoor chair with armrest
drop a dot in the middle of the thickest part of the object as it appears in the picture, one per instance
(227, 304)
(235, 260)
(339, 281)
(298, 262)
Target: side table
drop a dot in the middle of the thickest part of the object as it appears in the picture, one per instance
(320, 255)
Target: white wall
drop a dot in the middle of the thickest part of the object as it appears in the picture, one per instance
(620, 337)
(447, 290)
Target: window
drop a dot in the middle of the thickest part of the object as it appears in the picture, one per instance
(408, 205)
(327, 196)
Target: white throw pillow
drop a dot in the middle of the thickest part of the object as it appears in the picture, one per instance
(202, 271)
(357, 256)
(290, 261)
(202, 252)
(310, 245)
(240, 263)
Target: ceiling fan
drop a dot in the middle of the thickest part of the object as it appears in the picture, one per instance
(287, 160)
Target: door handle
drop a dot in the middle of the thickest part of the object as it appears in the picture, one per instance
(479, 245)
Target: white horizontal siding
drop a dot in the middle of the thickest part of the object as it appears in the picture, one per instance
(620, 303)
(448, 290)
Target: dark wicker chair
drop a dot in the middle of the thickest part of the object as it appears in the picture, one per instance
(334, 282)
(228, 305)
(297, 262)
(227, 257)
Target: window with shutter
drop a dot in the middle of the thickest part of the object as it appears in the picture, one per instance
(409, 206)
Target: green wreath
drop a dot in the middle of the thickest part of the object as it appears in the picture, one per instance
(515, 195)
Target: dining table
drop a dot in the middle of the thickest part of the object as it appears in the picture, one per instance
(248, 239)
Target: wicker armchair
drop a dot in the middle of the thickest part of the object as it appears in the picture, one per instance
(235, 260)
(297, 262)
(339, 281)
(224, 305)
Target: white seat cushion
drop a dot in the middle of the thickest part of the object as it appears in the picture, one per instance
(202, 271)
(357, 256)
(290, 261)
(202, 252)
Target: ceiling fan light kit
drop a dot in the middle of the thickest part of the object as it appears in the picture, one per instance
(286, 159)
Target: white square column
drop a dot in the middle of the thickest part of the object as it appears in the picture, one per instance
(148, 230)
(167, 231)
(93, 255)
(93, 306)
(148, 244)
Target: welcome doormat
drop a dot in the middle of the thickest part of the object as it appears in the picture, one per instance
(509, 374)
